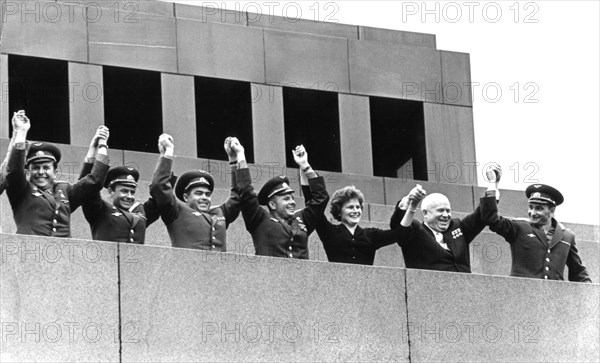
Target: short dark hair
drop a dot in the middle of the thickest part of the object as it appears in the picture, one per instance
(343, 196)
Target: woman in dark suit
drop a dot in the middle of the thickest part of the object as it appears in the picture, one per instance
(347, 242)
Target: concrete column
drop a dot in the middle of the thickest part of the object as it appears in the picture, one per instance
(179, 112)
(268, 128)
(355, 134)
(450, 140)
(86, 101)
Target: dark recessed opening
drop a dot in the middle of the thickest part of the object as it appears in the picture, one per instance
(223, 108)
(398, 138)
(312, 119)
(41, 88)
(132, 108)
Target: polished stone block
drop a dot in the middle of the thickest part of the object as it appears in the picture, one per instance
(297, 25)
(355, 134)
(268, 129)
(395, 36)
(306, 61)
(460, 196)
(395, 70)
(220, 50)
(210, 12)
(146, 163)
(189, 305)
(450, 143)
(179, 112)
(149, 42)
(487, 318)
(371, 187)
(124, 11)
(45, 29)
(86, 101)
(456, 78)
(59, 300)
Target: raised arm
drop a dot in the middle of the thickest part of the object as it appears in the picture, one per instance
(403, 218)
(88, 162)
(474, 223)
(94, 181)
(233, 205)
(160, 187)
(16, 180)
(489, 208)
(314, 209)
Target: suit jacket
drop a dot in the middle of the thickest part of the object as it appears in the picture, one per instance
(109, 223)
(272, 237)
(422, 251)
(48, 212)
(532, 255)
(189, 228)
(342, 246)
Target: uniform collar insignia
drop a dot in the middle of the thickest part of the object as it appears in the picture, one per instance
(116, 214)
(197, 214)
(531, 235)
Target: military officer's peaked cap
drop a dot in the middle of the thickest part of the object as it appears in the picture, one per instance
(191, 179)
(276, 186)
(43, 151)
(544, 194)
(125, 175)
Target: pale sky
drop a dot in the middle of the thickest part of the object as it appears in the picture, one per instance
(543, 57)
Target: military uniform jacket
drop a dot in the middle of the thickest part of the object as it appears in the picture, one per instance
(532, 254)
(48, 213)
(109, 223)
(189, 228)
(273, 237)
(422, 251)
(341, 246)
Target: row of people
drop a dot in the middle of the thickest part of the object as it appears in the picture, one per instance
(540, 246)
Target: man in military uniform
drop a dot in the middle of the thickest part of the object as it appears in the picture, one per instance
(440, 242)
(281, 231)
(190, 219)
(540, 246)
(41, 204)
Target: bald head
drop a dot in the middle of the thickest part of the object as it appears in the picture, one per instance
(436, 212)
(433, 200)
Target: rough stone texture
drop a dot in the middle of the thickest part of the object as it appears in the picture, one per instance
(86, 101)
(395, 70)
(59, 300)
(450, 142)
(220, 50)
(212, 13)
(355, 135)
(402, 37)
(307, 61)
(268, 128)
(145, 42)
(297, 25)
(45, 29)
(461, 317)
(456, 78)
(179, 112)
(193, 305)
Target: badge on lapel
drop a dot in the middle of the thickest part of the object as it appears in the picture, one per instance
(456, 233)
